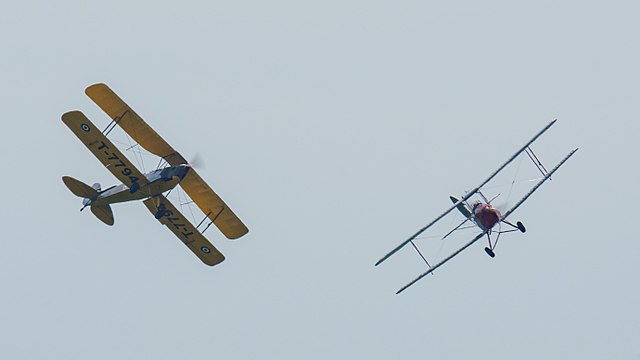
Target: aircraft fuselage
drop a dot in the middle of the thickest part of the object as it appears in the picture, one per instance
(159, 181)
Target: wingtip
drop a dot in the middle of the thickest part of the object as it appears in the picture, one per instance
(93, 86)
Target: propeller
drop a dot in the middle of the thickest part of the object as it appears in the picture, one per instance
(197, 162)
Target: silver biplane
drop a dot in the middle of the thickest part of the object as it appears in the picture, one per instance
(150, 186)
(482, 213)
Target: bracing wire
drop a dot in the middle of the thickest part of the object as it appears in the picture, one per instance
(513, 182)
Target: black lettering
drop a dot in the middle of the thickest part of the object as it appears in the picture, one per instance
(178, 225)
(103, 146)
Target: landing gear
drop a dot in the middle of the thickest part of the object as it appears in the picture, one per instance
(489, 252)
(521, 227)
(134, 187)
(162, 211)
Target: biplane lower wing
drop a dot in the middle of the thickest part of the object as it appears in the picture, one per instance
(468, 195)
(432, 269)
(169, 216)
(504, 217)
(212, 205)
(132, 123)
(103, 149)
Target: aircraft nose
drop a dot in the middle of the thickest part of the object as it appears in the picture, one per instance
(183, 170)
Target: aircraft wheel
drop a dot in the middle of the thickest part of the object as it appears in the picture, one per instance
(521, 227)
(134, 187)
(160, 214)
(490, 252)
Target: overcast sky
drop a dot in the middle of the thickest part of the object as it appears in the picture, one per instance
(334, 130)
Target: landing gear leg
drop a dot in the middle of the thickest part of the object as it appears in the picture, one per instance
(489, 250)
(517, 226)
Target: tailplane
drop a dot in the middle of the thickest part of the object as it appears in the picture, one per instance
(104, 213)
(89, 194)
(78, 188)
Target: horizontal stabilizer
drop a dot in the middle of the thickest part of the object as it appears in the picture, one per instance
(78, 188)
(463, 209)
(104, 213)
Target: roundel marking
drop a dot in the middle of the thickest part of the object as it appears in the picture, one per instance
(205, 250)
(85, 127)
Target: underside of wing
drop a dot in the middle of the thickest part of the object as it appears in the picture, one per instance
(108, 154)
(132, 123)
(213, 206)
(169, 216)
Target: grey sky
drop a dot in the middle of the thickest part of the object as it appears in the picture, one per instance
(334, 129)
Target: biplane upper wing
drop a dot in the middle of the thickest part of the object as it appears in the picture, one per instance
(103, 149)
(212, 205)
(169, 216)
(132, 123)
(467, 196)
(206, 199)
(504, 217)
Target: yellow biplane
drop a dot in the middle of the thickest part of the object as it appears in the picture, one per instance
(150, 186)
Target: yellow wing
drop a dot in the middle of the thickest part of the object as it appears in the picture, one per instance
(169, 216)
(132, 123)
(103, 149)
(206, 199)
(212, 205)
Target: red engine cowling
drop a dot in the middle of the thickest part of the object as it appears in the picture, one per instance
(486, 215)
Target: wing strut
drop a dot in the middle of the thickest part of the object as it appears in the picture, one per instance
(468, 195)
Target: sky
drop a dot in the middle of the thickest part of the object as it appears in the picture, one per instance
(334, 130)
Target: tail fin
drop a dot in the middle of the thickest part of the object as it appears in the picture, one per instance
(78, 188)
(104, 213)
